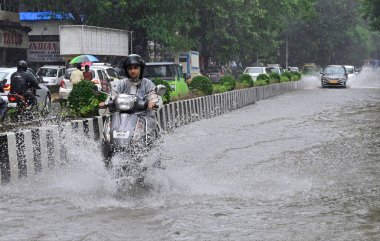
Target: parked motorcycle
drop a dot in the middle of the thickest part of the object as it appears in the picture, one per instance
(128, 133)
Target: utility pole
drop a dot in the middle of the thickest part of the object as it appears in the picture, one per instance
(286, 53)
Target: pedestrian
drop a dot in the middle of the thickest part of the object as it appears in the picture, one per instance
(77, 75)
(87, 74)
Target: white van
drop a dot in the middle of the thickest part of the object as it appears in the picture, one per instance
(51, 74)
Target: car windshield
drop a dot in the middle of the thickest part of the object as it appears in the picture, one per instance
(254, 70)
(158, 71)
(47, 72)
(334, 70)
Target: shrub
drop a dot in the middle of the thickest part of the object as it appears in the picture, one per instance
(246, 78)
(218, 88)
(284, 78)
(274, 78)
(260, 82)
(201, 84)
(288, 75)
(83, 100)
(228, 81)
(166, 96)
(262, 78)
(242, 85)
(297, 75)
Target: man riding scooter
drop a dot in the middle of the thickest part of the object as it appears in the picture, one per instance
(136, 84)
(23, 84)
(131, 125)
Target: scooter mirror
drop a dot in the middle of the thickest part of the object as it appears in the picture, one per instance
(160, 89)
(4, 81)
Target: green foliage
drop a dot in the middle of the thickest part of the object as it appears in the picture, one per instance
(261, 82)
(166, 96)
(287, 74)
(201, 84)
(263, 77)
(242, 85)
(246, 78)
(296, 76)
(322, 31)
(371, 12)
(274, 77)
(285, 78)
(219, 88)
(228, 81)
(83, 100)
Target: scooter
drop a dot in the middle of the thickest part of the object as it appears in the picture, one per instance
(128, 132)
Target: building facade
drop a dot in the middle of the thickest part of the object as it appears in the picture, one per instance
(14, 40)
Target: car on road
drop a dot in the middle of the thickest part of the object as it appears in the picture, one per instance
(334, 75)
(51, 74)
(309, 69)
(256, 71)
(99, 77)
(170, 72)
(216, 72)
(43, 94)
(351, 72)
(293, 69)
(276, 69)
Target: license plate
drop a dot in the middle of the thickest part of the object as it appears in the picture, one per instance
(333, 81)
(121, 135)
(12, 105)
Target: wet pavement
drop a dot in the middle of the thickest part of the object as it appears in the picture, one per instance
(300, 166)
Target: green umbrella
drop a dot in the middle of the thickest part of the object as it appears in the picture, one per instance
(84, 58)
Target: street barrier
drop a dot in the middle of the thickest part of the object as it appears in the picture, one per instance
(28, 152)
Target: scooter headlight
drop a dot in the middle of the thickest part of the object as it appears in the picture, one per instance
(124, 102)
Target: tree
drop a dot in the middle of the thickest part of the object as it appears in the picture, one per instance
(371, 12)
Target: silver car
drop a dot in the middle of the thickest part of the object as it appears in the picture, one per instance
(43, 94)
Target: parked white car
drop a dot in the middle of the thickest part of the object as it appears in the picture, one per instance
(51, 74)
(256, 71)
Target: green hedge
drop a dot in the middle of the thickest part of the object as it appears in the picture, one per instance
(228, 81)
(201, 84)
(83, 100)
(246, 78)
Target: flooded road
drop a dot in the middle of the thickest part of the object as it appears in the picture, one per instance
(301, 166)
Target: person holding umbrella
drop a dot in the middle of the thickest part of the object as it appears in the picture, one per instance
(77, 75)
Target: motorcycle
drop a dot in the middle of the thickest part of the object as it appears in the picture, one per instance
(129, 132)
(17, 108)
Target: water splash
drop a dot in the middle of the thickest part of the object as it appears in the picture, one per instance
(365, 80)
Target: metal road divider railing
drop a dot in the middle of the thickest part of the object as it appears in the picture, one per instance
(26, 153)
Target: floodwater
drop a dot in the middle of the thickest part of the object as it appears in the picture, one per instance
(300, 166)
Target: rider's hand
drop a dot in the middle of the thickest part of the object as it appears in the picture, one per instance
(102, 105)
(151, 105)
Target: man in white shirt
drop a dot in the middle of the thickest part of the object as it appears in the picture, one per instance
(77, 75)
